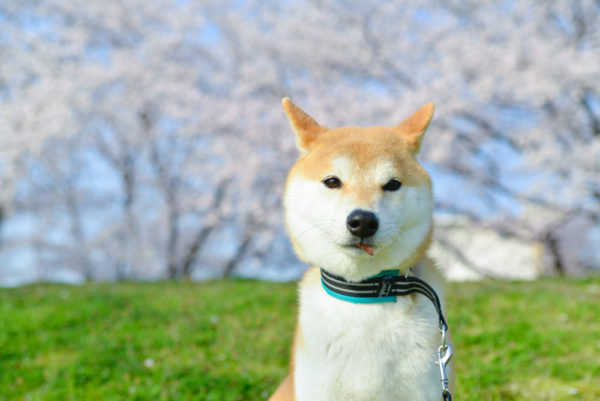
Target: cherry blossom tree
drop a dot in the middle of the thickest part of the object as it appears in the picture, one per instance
(175, 106)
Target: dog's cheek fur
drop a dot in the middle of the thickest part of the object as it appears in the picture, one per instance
(408, 219)
(314, 224)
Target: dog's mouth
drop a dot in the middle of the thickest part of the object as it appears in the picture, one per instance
(365, 247)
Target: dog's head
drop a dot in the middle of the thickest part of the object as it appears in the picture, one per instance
(357, 201)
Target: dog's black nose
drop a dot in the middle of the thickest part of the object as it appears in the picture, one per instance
(361, 223)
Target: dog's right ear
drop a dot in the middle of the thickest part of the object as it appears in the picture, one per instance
(306, 128)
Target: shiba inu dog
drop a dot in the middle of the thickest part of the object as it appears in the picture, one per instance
(358, 206)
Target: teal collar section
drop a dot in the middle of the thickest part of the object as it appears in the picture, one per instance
(358, 293)
(356, 300)
(385, 273)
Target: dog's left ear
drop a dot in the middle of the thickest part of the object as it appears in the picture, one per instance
(414, 127)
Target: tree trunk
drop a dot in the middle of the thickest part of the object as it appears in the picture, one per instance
(238, 257)
(551, 243)
(191, 255)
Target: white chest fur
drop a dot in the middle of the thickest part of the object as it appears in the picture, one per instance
(366, 352)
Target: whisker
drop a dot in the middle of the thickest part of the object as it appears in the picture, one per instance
(318, 228)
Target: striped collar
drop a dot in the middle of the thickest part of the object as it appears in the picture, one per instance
(384, 287)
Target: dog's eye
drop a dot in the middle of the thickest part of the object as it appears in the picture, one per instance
(392, 185)
(332, 182)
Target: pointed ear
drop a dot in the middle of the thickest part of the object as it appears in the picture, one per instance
(306, 128)
(413, 128)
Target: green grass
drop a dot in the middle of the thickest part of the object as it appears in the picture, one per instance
(228, 340)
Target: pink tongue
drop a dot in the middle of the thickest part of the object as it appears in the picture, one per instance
(367, 248)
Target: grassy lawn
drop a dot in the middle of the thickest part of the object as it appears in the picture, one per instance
(228, 340)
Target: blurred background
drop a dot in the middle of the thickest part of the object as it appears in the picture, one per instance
(145, 139)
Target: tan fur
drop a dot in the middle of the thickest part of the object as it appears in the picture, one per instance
(285, 391)
(355, 141)
(306, 128)
(414, 126)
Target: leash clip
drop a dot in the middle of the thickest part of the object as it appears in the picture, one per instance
(444, 356)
